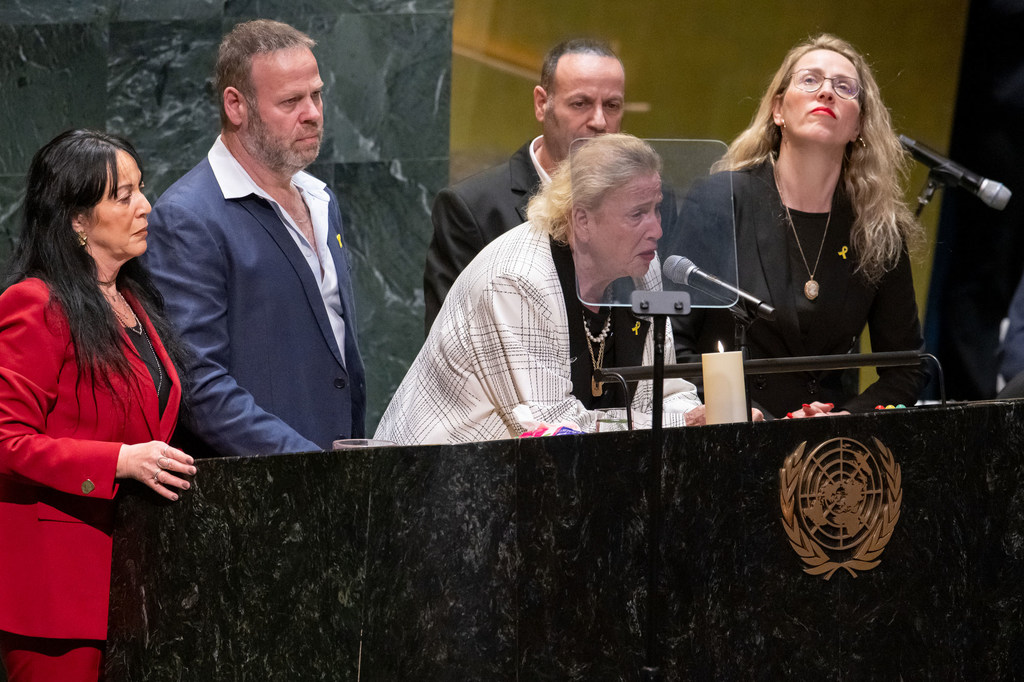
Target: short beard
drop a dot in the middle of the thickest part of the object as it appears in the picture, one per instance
(270, 151)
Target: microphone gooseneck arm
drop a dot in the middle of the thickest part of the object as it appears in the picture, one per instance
(683, 271)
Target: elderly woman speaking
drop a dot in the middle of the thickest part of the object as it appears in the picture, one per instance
(513, 343)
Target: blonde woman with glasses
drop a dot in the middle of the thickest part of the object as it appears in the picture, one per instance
(822, 234)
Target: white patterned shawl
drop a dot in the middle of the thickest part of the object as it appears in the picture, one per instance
(501, 340)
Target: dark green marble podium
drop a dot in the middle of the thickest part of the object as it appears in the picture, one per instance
(527, 560)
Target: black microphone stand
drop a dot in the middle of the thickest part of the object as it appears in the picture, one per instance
(743, 316)
(927, 192)
(659, 304)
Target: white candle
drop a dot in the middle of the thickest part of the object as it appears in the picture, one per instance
(725, 395)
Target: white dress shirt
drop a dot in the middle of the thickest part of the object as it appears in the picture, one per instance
(236, 183)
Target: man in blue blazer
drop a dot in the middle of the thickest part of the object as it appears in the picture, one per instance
(249, 254)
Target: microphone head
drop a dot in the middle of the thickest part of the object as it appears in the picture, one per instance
(994, 194)
(678, 269)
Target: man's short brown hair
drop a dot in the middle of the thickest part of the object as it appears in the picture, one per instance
(250, 38)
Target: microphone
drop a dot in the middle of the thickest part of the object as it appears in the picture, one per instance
(994, 194)
(681, 270)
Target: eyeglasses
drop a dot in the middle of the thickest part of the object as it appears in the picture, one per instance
(811, 81)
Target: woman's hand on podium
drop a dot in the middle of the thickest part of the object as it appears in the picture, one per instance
(698, 416)
(155, 464)
(815, 409)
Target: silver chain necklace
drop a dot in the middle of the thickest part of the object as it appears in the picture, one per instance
(140, 330)
(159, 369)
(137, 327)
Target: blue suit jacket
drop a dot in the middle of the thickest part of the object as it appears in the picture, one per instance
(268, 374)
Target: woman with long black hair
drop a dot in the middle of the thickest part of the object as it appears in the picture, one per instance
(89, 395)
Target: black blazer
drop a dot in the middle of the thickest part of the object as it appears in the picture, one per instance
(469, 215)
(847, 302)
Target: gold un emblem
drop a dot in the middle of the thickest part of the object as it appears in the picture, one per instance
(840, 504)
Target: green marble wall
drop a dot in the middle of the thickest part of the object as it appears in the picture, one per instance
(141, 68)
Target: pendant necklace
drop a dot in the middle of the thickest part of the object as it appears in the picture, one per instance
(811, 287)
(141, 331)
(137, 327)
(597, 389)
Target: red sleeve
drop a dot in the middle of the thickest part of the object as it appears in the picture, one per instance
(36, 360)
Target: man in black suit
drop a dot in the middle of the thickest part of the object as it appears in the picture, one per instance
(581, 94)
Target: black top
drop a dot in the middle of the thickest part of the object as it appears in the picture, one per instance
(770, 268)
(144, 346)
(624, 345)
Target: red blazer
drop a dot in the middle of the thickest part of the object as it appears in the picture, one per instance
(59, 440)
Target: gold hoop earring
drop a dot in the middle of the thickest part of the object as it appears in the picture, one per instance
(82, 238)
(783, 123)
(863, 144)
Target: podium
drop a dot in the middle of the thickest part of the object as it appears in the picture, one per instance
(526, 560)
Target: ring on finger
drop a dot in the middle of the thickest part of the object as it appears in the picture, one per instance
(156, 476)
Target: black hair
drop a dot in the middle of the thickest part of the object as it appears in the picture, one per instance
(592, 46)
(67, 178)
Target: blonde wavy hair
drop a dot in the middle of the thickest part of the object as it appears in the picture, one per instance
(873, 171)
(594, 167)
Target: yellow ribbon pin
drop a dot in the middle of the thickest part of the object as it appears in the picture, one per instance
(636, 329)
(341, 247)
(842, 251)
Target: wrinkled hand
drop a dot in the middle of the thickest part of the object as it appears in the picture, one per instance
(815, 409)
(696, 416)
(155, 464)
